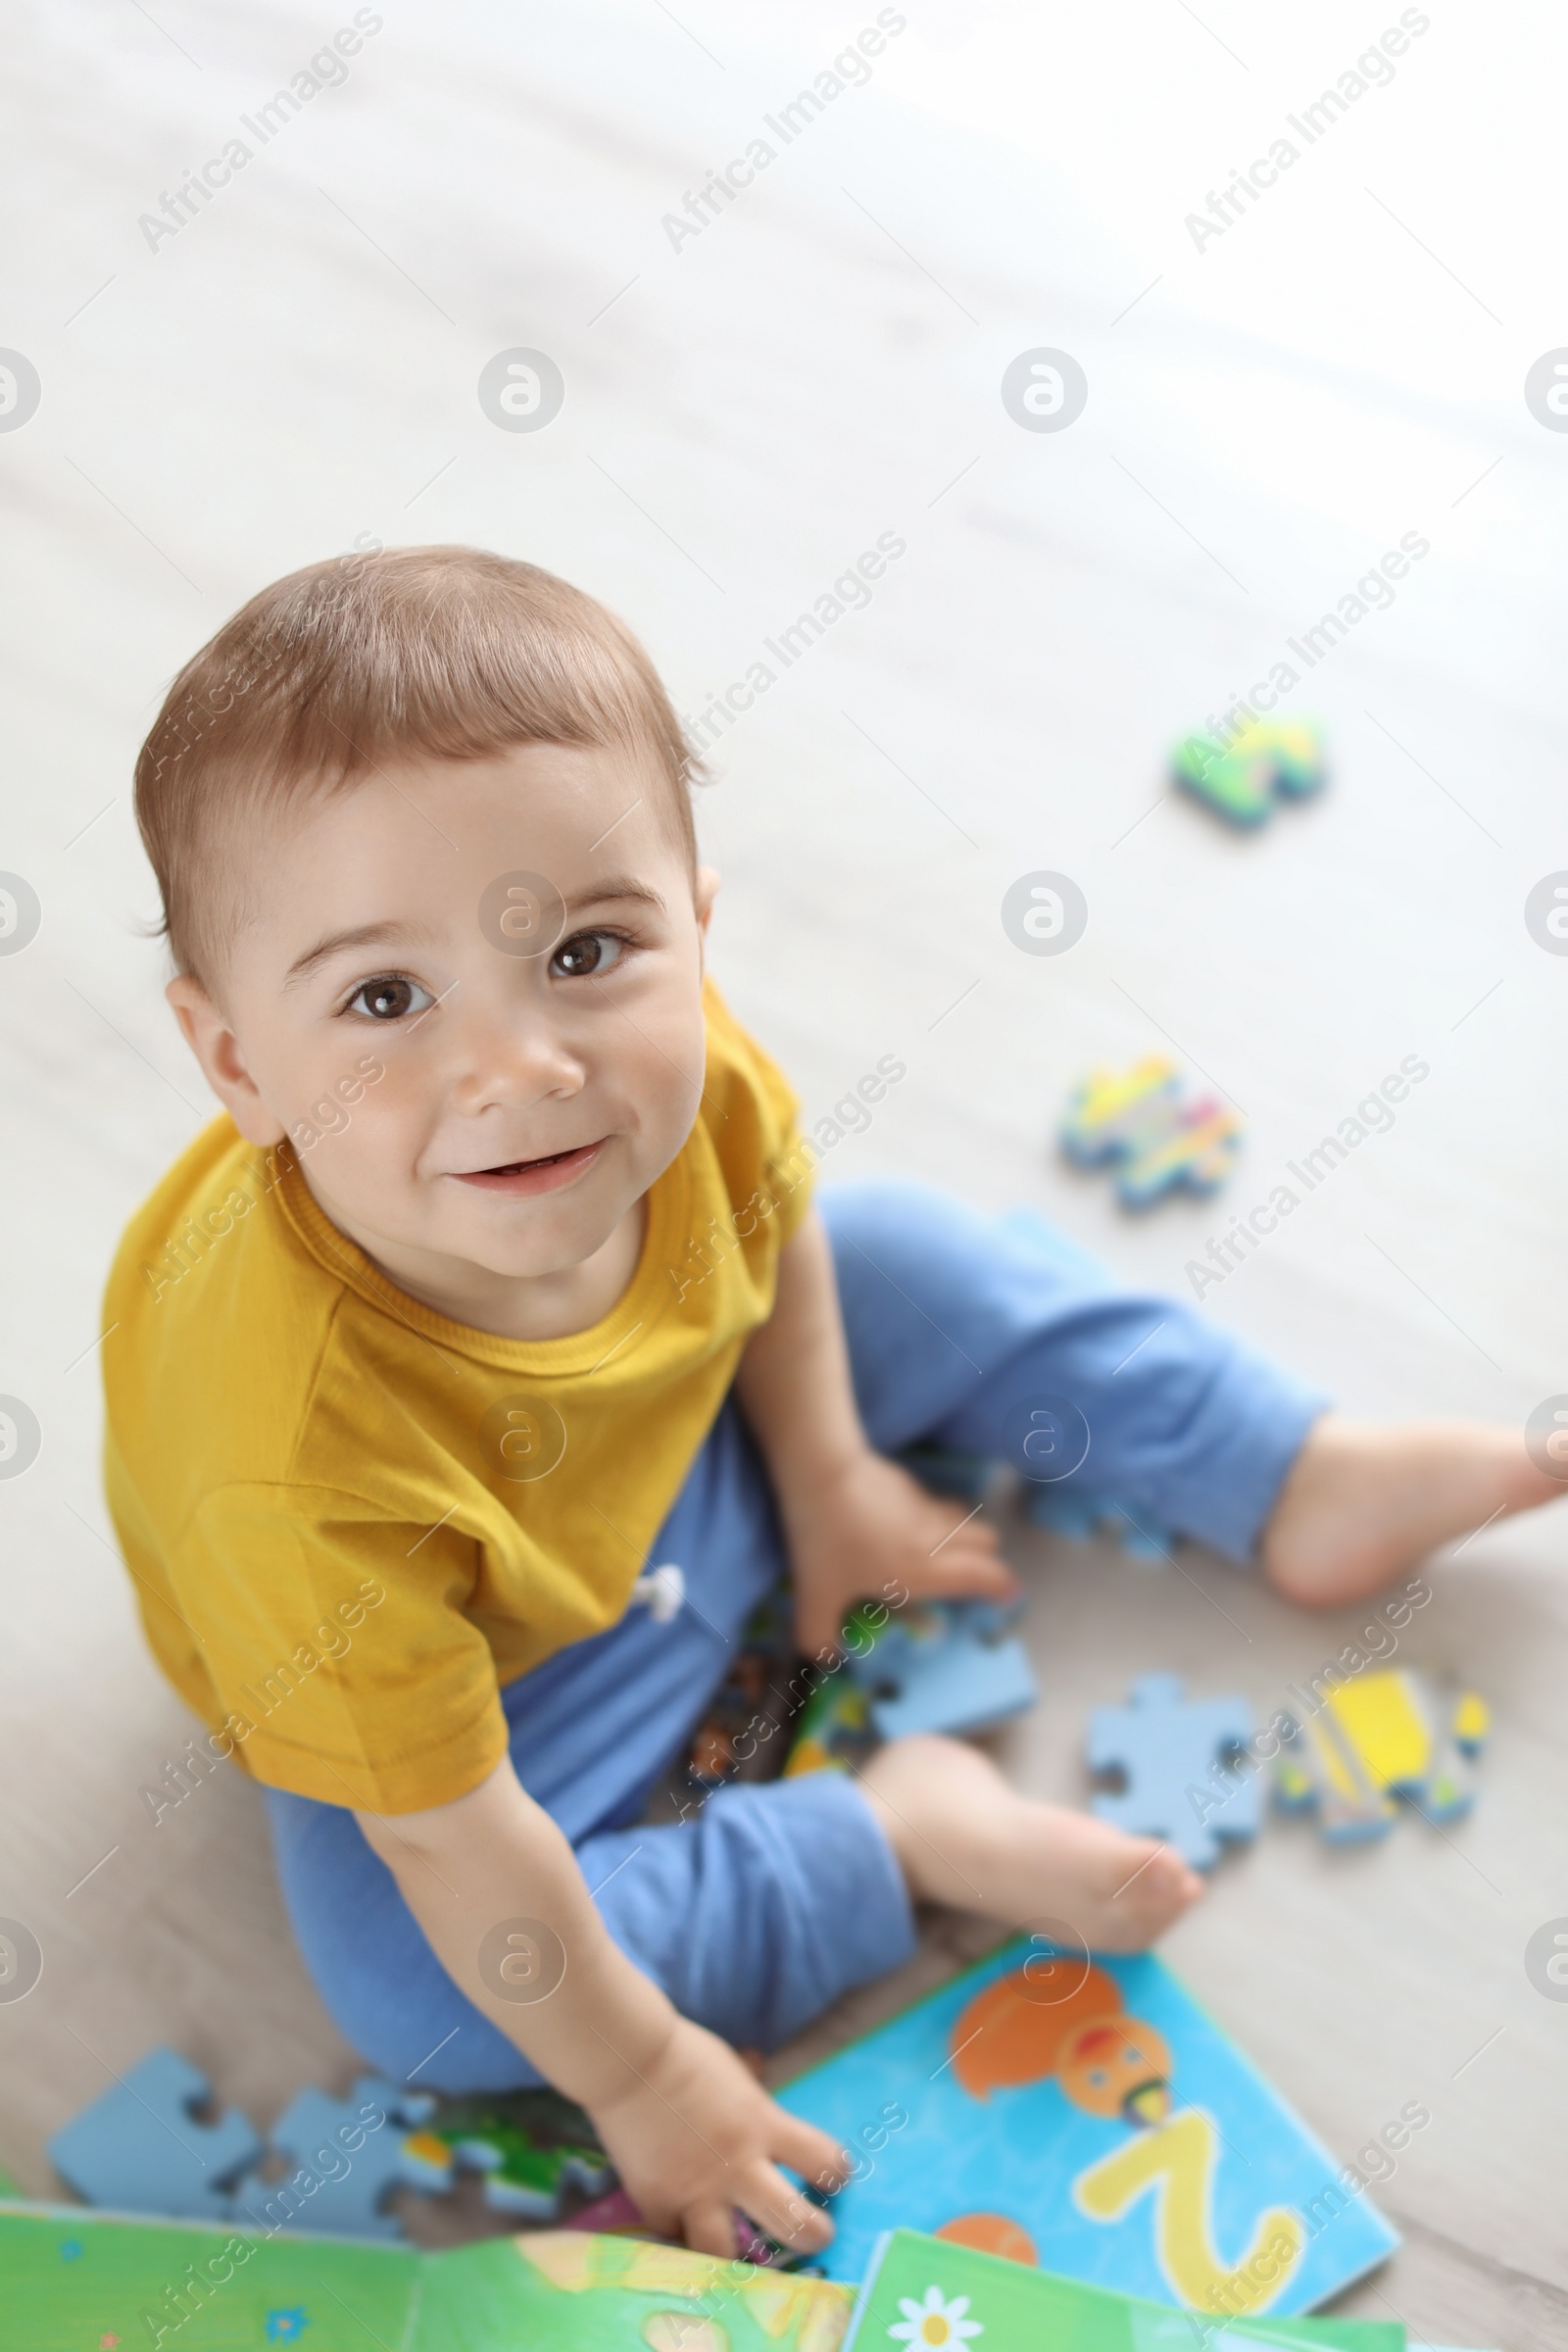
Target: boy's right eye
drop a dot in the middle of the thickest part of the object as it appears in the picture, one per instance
(389, 999)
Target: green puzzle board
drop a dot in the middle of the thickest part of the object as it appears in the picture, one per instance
(925, 2291)
(75, 2281)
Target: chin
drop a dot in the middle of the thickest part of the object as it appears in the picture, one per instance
(551, 1247)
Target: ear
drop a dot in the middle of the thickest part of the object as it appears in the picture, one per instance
(704, 890)
(223, 1065)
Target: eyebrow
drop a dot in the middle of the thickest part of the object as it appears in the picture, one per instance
(617, 888)
(364, 935)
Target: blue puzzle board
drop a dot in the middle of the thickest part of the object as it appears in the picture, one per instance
(1018, 2152)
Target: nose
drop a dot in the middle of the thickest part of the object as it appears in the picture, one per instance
(509, 1055)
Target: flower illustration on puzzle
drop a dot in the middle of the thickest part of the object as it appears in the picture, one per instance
(935, 2321)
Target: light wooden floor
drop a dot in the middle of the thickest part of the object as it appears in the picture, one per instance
(745, 414)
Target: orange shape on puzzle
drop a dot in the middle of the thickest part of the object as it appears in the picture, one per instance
(990, 2234)
(1117, 2066)
(1008, 2035)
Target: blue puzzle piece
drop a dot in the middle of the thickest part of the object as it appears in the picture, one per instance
(141, 2148)
(1173, 1755)
(1143, 1538)
(945, 1666)
(1080, 1518)
(1074, 1516)
(343, 2163)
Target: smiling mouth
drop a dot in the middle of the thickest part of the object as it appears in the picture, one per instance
(523, 1176)
(1147, 2103)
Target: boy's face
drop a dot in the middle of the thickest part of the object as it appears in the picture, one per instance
(540, 1041)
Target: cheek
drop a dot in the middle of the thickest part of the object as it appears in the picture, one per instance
(653, 1062)
(379, 1137)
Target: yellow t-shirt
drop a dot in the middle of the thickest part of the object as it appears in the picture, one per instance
(350, 1520)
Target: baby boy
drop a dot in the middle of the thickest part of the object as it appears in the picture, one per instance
(473, 1375)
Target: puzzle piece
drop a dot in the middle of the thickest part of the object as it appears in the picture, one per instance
(937, 1666)
(1173, 1755)
(1272, 760)
(1063, 1511)
(941, 1666)
(343, 2161)
(1393, 1734)
(1315, 1768)
(1140, 1122)
(524, 2179)
(530, 2146)
(142, 2147)
(832, 1729)
(751, 1704)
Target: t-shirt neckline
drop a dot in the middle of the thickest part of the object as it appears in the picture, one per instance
(578, 1351)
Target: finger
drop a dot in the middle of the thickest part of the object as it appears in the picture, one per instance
(954, 1525)
(968, 1549)
(810, 2151)
(955, 1575)
(775, 2205)
(965, 1550)
(975, 1532)
(709, 2229)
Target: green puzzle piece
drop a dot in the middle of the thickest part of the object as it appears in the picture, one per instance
(1241, 781)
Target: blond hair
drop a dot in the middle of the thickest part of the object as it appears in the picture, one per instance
(349, 666)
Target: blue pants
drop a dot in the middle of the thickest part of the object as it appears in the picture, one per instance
(758, 1912)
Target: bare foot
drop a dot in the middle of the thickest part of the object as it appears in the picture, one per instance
(962, 1836)
(1362, 1502)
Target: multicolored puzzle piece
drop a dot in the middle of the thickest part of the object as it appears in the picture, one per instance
(833, 1728)
(527, 2180)
(1241, 781)
(753, 1701)
(1174, 1757)
(530, 2148)
(950, 1666)
(1398, 1733)
(1139, 1122)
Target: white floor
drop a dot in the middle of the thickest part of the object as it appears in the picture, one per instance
(744, 414)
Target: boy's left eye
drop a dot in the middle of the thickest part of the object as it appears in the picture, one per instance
(389, 999)
(587, 954)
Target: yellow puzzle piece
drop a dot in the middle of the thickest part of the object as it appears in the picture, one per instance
(1381, 1735)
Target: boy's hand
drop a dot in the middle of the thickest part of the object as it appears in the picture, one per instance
(871, 1531)
(697, 2137)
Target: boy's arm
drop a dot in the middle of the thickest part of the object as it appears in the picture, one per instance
(857, 1526)
(689, 2129)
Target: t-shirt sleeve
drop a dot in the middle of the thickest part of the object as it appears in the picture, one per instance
(337, 1649)
(755, 1117)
